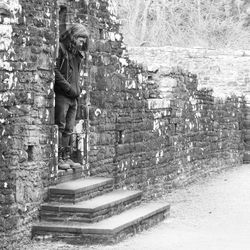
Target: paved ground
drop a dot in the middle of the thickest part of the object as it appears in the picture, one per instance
(213, 214)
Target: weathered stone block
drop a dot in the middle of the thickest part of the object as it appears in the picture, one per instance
(158, 103)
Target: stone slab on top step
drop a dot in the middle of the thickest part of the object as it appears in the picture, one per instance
(92, 210)
(80, 189)
(107, 231)
(69, 175)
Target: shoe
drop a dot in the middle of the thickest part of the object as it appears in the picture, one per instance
(62, 165)
(72, 164)
(67, 159)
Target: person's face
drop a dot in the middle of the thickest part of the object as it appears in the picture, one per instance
(80, 41)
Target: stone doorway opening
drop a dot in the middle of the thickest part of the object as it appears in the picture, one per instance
(79, 139)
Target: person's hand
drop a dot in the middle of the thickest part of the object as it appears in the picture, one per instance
(72, 93)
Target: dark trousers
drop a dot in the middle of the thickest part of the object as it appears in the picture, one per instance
(65, 116)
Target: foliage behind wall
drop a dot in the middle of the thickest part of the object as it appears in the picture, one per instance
(188, 23)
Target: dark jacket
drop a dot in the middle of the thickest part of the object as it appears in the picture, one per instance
(67, 72)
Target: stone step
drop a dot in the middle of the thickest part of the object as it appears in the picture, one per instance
(80, 189)
(92, 210)
(107, 231)
(247, 147)
(246, 157)
(246, 124)
(69, 175)
(247, 116)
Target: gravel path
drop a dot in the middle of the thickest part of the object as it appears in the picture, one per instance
(212, 214)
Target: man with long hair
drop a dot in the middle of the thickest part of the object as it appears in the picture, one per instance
(67, 88)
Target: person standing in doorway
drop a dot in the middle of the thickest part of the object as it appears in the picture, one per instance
(73, 43)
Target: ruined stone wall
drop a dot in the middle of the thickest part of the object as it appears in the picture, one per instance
(161, 139)
(225, 71)
(27, 39)
(154, 130)
(148, 130)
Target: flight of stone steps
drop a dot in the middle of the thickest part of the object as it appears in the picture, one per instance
(246, 122)
(91, 211)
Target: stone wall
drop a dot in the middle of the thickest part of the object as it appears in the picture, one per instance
(27, 35)
(159, 140)
(150, 130)
(225, 71)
